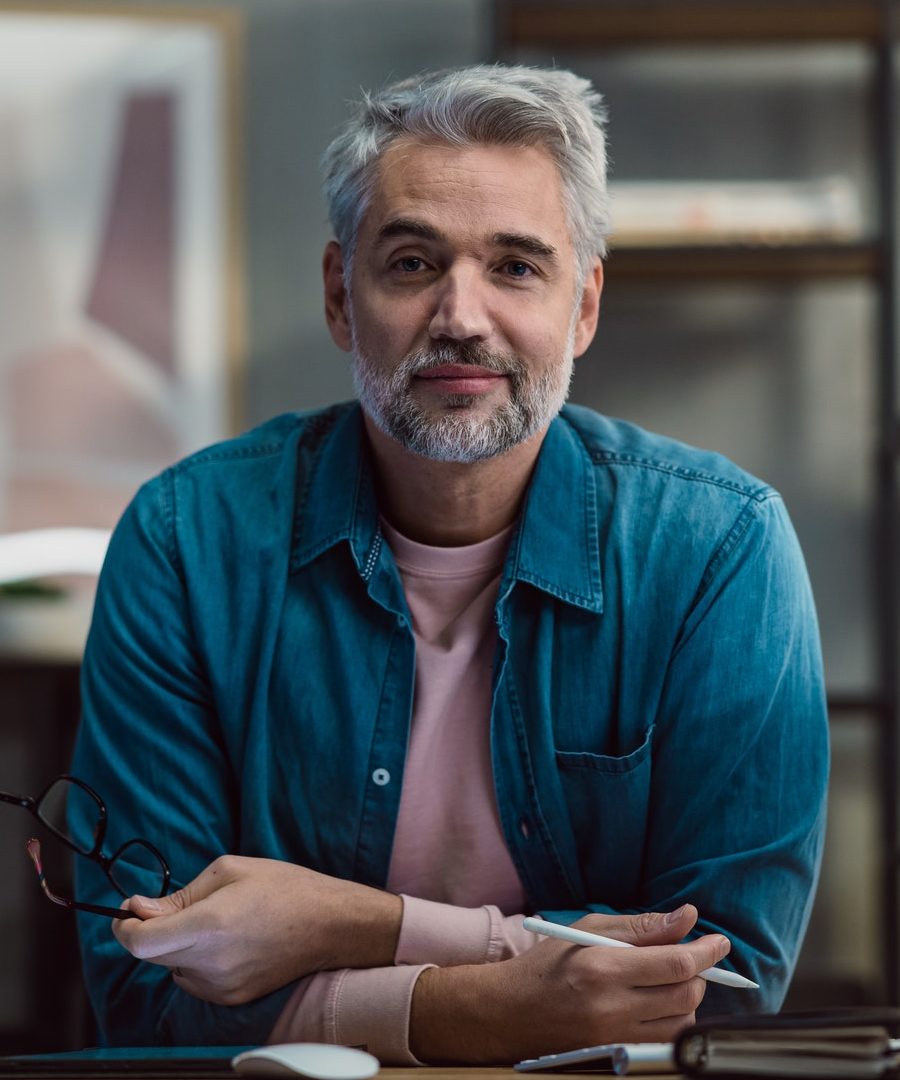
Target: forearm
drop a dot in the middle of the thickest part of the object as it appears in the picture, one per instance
(364, 927)
(455, 1017)
(372, 1007)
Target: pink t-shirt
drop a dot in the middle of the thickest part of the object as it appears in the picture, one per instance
(461, 893)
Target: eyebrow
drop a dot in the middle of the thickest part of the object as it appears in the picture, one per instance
(530, 245)
(408, 227)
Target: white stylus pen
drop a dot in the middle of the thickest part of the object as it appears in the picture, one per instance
(582, 937)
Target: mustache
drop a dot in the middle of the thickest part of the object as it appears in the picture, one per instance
(467, 353)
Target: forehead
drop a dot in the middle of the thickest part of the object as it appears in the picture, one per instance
(470, 191)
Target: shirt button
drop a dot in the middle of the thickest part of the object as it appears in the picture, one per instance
(381, 777)
(523, 828)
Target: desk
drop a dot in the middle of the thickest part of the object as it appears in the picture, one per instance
(461, 1072)
(458, 1071)
(455, 1072)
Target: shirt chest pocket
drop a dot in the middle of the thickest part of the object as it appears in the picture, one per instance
(608, 800)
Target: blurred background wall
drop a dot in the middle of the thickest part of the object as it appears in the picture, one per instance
(780, 372)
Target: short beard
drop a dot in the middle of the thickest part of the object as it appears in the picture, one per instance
(457, 432)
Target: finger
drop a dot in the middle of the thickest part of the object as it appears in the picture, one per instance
(651, 1003)
(118, 924)
(662, 965)
(148, 907)
(161, 941)
(664, 1029)
(208, 881)
(195, 984)
(644, 928)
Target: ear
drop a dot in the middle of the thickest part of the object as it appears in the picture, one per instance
(589, 309)
(336, 297)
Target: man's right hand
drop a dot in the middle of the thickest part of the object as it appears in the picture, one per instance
(559, 997)
(246, 926)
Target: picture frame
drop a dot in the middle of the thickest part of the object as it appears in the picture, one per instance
(121, 251)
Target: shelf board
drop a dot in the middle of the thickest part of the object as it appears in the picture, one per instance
(847, 260)
(843, 704)
(593, 24)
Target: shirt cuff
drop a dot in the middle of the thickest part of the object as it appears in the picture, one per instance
(365, 1007)
(446, 935)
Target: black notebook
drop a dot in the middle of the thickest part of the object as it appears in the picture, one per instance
(829, 1045)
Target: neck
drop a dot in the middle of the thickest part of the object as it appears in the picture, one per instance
(445, 503)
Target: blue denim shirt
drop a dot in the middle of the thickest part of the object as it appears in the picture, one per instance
(658, 726)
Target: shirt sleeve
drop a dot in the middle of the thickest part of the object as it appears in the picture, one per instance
(446, 935)
(371, 1008)
(149, 742)
(743, 708)
(367, 1007)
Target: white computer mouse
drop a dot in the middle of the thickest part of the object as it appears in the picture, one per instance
(321, 1061)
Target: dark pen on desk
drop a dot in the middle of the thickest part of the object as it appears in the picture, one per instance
(33, 847)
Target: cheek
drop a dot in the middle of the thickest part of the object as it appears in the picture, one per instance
(534, 341)
(389, 326)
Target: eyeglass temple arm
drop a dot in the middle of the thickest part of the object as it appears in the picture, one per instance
(99, 909)
(33, 847)
(24, 801)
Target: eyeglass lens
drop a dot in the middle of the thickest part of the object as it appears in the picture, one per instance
(71, 811)
(135, 868)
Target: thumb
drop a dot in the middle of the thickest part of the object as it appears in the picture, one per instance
(149, 907)
(208, 881)
(146, 937)
(645, 927)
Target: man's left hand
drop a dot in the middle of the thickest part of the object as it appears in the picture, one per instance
(245, 927)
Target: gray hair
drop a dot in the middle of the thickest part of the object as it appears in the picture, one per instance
(483, 104)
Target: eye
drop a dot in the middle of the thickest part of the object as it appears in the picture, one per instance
(515, 268)
(409, 264)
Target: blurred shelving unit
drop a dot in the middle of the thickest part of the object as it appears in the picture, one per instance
(579, 28)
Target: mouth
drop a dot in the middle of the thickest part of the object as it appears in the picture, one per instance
(461, 379)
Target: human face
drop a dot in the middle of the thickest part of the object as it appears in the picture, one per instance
(464, 311)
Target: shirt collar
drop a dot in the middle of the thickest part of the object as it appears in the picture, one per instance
(336, 498)
(555, 549)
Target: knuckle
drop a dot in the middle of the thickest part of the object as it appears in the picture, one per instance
(688, 995)
(181, 898)
(644, 922)
(682, 965)
(229, 866)
(222, 864)
(590, 970)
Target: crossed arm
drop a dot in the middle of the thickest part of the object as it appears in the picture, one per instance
(247, 926)
(245, 929)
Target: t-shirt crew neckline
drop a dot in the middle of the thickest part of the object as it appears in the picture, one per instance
(429, 560)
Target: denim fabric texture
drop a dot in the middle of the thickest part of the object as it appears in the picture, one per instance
(658, 727)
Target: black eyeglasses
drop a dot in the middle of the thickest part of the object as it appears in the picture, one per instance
(75, 814)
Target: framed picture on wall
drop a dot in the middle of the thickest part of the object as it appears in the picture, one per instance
(121, 306)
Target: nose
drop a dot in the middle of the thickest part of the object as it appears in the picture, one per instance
(461, 311)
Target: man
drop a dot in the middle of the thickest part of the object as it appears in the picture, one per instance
(417, 668)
